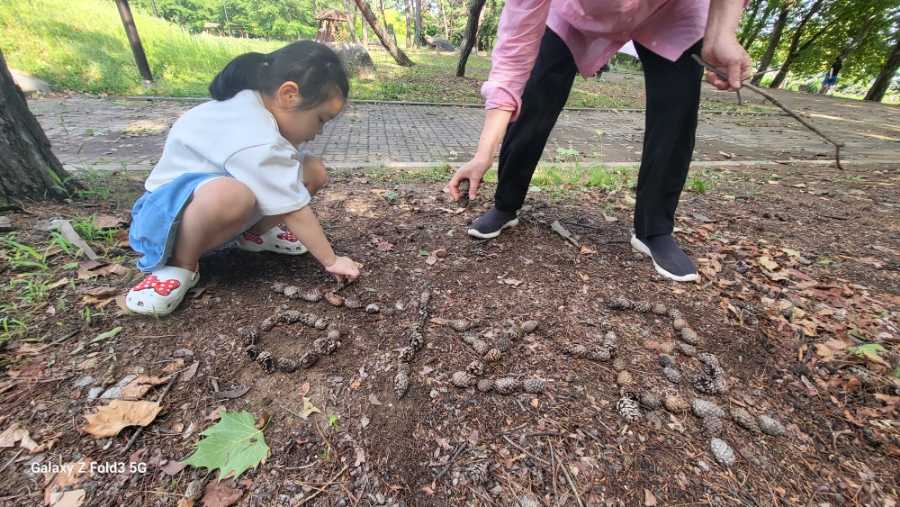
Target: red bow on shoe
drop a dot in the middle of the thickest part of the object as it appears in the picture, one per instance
(254, 238)
(163, 288)
(287, 236)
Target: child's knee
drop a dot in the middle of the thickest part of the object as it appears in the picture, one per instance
(227, 199)
(314, 174)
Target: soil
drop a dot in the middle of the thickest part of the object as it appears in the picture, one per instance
(792, 262)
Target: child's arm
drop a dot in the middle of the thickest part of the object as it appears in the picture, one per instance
(305, 227)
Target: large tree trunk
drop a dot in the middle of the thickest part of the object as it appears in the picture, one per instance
(774, 40)
(469, 36)
(28, 169)
(888, 71)
(351, 21)
(388, 42)
(406, 15)
(419, 40)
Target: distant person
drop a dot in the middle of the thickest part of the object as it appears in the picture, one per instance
(231, 170)
(831, 78)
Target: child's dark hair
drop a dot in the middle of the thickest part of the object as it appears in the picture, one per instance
(314, 67)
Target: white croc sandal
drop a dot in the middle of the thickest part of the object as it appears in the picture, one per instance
(276, 240)
(161, 292)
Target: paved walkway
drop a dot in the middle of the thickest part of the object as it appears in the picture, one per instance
(114, 132)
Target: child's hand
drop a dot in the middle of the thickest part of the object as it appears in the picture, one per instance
(343, 267)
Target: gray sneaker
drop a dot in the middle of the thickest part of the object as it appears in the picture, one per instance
(494, 221)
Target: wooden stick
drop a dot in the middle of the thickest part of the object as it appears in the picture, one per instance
(452, 460)
(568, 477)
(837, 144)
(532, 456)
(140, 429)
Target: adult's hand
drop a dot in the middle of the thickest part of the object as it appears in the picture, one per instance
(495, 123)
(473, 171)
(730, 57)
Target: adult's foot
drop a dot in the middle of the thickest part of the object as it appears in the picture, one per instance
(494, 221)
(668, 259)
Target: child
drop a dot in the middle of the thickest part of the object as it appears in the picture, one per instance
(231, 169)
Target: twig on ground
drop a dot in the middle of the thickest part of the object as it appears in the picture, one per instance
(530, 455)
(837, 144)
(566, 472)
(11, 460)
(319, 491)
(452, 460)
(140, 429)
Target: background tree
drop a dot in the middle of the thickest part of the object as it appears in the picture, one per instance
(475, 8)
(887, 74)
(388, 42)
(28, 169)
(784, 10)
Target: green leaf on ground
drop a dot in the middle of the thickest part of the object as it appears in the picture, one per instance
(106, 335)
(869, 348)
(234, 444)
(424, 253)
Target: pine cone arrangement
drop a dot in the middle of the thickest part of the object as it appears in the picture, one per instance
(469, 338)
(667, 347)
(460, 325)
(685, 349)
(372, 308)
(481, 347)
(312, 295)
(679, 324)
(624, 378)
(650, 401)
(334, 334)
(619, 364)
(506, 385)
(286, 365)
(405, 354)
(629, 408)
(493, 355)
(770, 426)
(463, 379)
(577, 350)
(401, 382)
(743, 419)
(251, 352)
(722, 451)
(416, 340)
(278, 287)
(308, 359)
(309, 319)
(529, 326)
(666, 360)
(703, 409)
(291, 291)
(620, 303)
(502, 344)
(485, 385)
(321, 324)
(674, 313)
(642, 306)
(512, 333)
(676, 404)
(711, 385)
(672, 375)
(289, 316)
(249, 336)
(689, 336)
(610, 339)
(659, 309)
(475, 368)
(708, 359)
(352, 303)
(479, 473)
(266, 360)
(334, 299)
(533, 385)
(325, 346)
(711, 426)
(598, 353)
(267, 324)
(424, 298)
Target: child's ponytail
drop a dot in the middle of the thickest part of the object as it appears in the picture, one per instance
(242, 73)
(314, 67)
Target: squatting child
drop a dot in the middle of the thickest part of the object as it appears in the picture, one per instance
(231, 170)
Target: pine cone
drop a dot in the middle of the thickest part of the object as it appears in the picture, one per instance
(424, 298)
(769, 426)
(463, 379)
(469, 338)
(321, 324)
(610, 339)
(703, 408)
(676, 404)
(405, 354)
(485, 385)
(864, 376)
(620, 303)
(642, 306)
(267, 324)
(506, 385)
(711, 385)
(667, 347)
(674, 313)
(325, 346)
(502, 344)
(352, 303)
(666, 360)
(493, 355)
(251, 352)
(711, 426)
(249, 336)
(372, 308)
(679, 324)
(404, 368)
(689, 336)
(481, 347)
(266, 360)
(334, 334)
(401, 384)
(334, 299)
(291, 291)
(289, 316)
(512, 333)
(475, 368)
(309, 319)
(278, 287)
(619, 364)
(479, 473)
(577, 350)
(659, 309)
(743, 419)
(308, 359)
(194, 491)
(460, 325)
(624, 378)
(598, 353)
(708, 359)
(286, 365)
(722, 451)
(312, 295)
(533, 385)
(672, 375)
(629, 408)
(685, 349)
(416, 340)
(529, 326)
(651, 401)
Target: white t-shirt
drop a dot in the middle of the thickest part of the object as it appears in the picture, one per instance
(240, 138)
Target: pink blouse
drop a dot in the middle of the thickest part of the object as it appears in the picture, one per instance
(593, 30)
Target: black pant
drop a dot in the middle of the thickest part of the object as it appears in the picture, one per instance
(673, 101)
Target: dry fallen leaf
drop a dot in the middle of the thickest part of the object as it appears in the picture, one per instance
(374, 399)
(100, 292)
(190, 372)
(15, 434)
(68, 499)
(308, 408)
(107, 221)
(71, 474)
(304, 389)
(219, 494)
(649, 499)
(767, 263)
(137, 388)
(172, 468)
(111, 419)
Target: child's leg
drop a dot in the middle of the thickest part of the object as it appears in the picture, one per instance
(216, 214)
(314, 177)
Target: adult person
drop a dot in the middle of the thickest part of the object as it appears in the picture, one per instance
(831, 78)
(542, 44)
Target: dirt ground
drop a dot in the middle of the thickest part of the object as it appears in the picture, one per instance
(797, 263)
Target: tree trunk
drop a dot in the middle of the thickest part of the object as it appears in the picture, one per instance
(315, 10)
(757, 23)
(351, 21)
(469, 36)
(774, 40)
(365, 31)
(860, 36)
(381, 10)
(792, 53)
(406, 15)
(888, 71)
(751, 22)
(398, 54)
(28, 169)
(419, 40)
(444, 21)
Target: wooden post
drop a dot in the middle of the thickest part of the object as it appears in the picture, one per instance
(131, 30)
